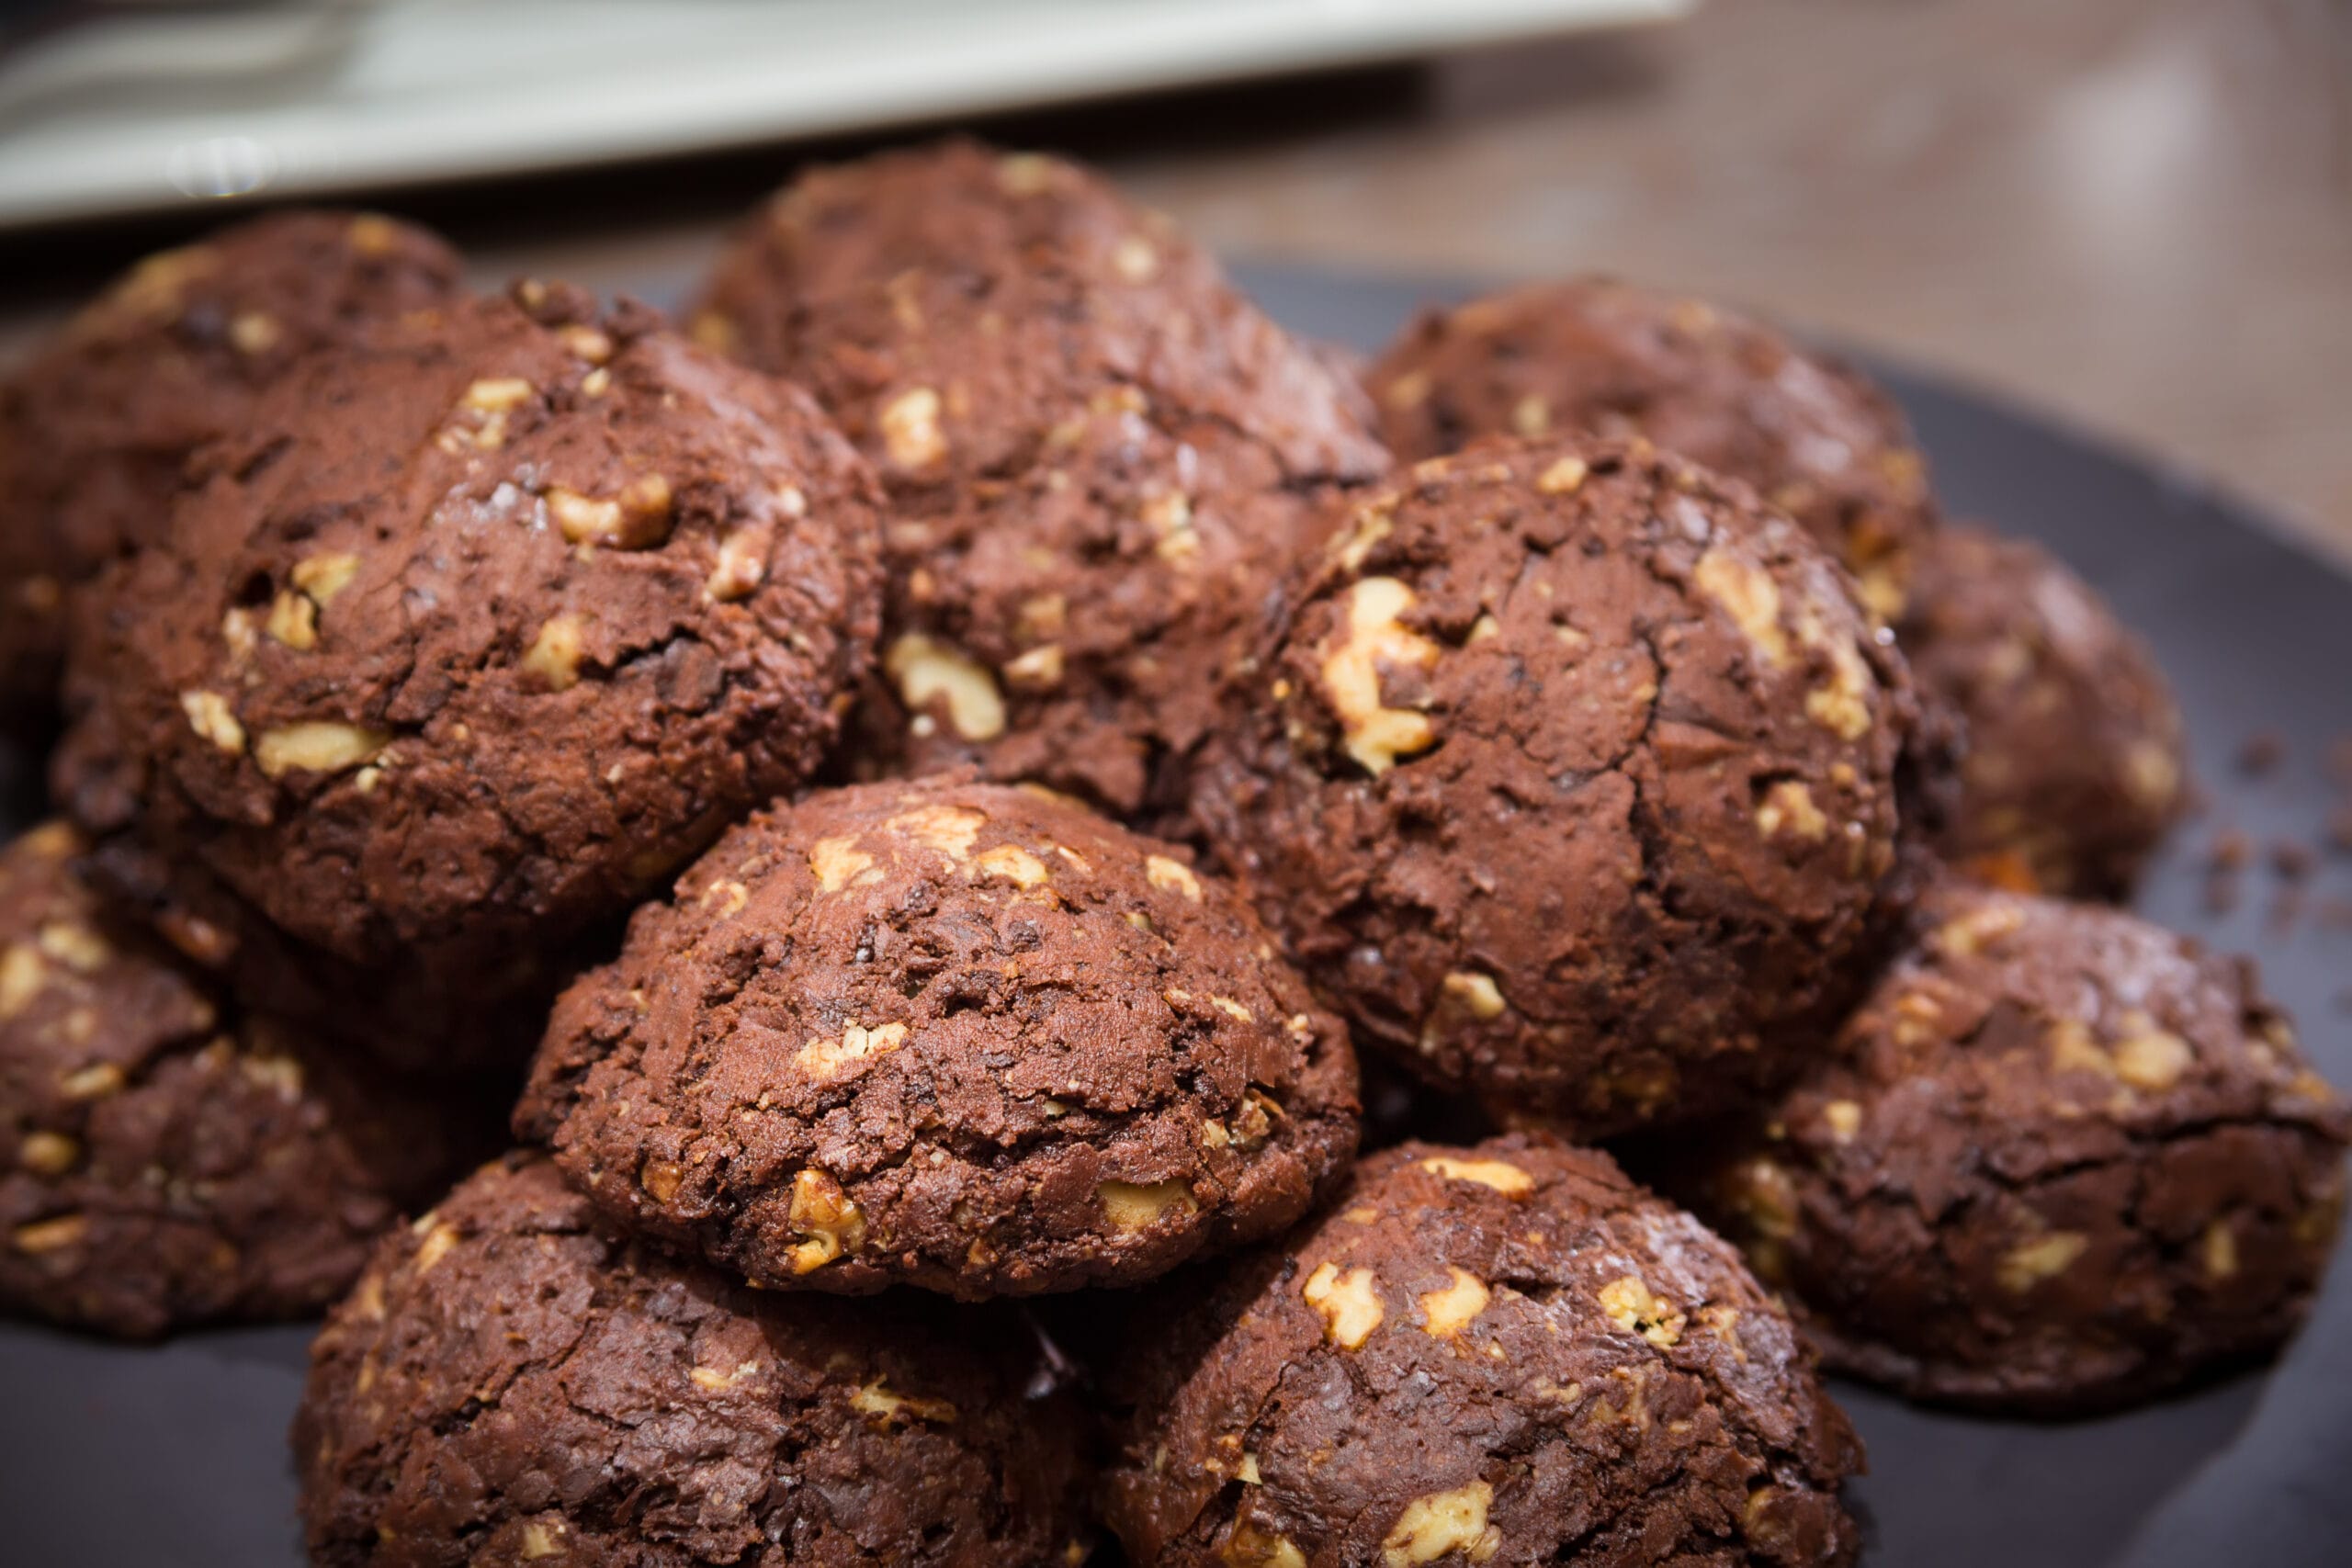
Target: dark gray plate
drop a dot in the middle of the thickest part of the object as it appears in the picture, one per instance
(176, 1455)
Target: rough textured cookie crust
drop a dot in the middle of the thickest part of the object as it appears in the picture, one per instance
(166, 1161)
(1813, 436)
(509, 1384)
(948, 1033)
(2076, 762)
(2064, 1159)
(97, 428)
(482, 629)
(1103, 456)
(1504, 1353)
(1573, 776)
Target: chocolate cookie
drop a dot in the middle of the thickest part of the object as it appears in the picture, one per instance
(2075, 765)
(482, 628)
(510, 1383)
(1813, 436)
(97, 428)
(2062, 1160)
(1504, 1353)
(167, 1161)
(1102, 455)
(954, 1034)
(1573, 775)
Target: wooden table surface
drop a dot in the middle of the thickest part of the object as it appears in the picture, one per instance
(2134, 213)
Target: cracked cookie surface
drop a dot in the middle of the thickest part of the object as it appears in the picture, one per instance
(948, 1033)
(97, 427)
(509, 1384)
(1503, 1353)
(2062, 1159)
(1815, 436)
(1102, 455)
(167, 1161)
(2075, 763)
(480, 631)
(1573, 775)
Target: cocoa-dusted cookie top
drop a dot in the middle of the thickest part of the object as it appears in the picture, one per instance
(1102, 455)
(166, 1160)
(97, 427)
(480, 629)
(2076, 761)
(2062, 1159)
(511, 1383)
(1813, 436)
(1502, 1353)
(1573, 777)
(951, 1034)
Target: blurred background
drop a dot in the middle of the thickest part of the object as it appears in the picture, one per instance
(2135, 215)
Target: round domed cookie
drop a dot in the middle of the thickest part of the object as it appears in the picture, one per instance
(945, 1034)
(1504, 1353)
(1573, 777)
(1813, 436)
(166, 1160)
(2076, 761)
(1102, 455)
(511, 1383)
(482, 628)
(97, 427)
(2062, 1159)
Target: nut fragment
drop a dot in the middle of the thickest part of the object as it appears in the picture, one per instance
(210, 716)
(2044, 1257)
(823, 1213)
(554, 654)
(1503, 1176)
(742, 565)
(1377, 735)
(1632, 1305)
(319, 746)
(829, 1061)
(838, 862)
(2154, 1061)
(48, 1154)
(1350, 1305)
(439, 1239)
(1750, 597)
(878, 1400)
(22, 976)
(1788, 804)
(637, 519)
(322, 577)
(1447, 1312)
(1476, 993)
(96, 1081)
(254, 331)
(1130, 1207)
(923, 669)
(1171, 876)
(910, 432)
(1441, 1522)
(50, 1235)
(1040, 669)
(1014, 864)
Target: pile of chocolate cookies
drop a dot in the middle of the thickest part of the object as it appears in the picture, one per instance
(914, 785)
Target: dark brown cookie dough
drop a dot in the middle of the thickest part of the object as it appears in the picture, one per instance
(2062, 1160)
(1504, 1353)
(509, 1385)
(97, 428)
(1574, 777)
(167, 1161)
(482, 628)
(2075, 763)
(1813, 436)
(954, 1034)
(1102, 455)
